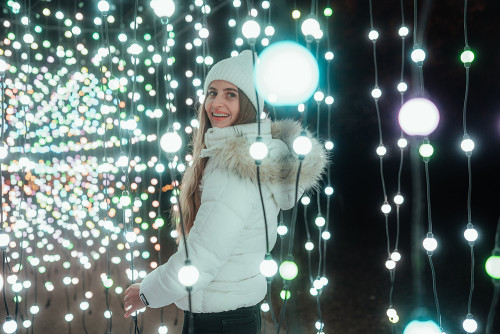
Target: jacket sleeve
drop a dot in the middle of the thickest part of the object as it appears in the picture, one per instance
(224, 209)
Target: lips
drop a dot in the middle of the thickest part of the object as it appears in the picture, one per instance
(220, 115)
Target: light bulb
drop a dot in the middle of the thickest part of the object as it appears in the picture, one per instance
(68, 317)
(386, 208)
(391, 312)
(373, 35)
(390, 264)
(103, 6)
(84, 305)
(309, 27)
(250, 29)
(376, 93)
(188, 275)
(134, 49)
(3, 66)
(469, 324)
(125, 200)
(492, 266)
(317, 284)
(402, 87)
(162, 329)
(470, 234)
(326, 235)
(163, 8)
(430, 244)
(282, 230)
(268, 267)
(328, 190)
(418, 55)
(399, 199)
(4, 240)
(426, 150)
(402, 142)
(422, 327)
(171, 142)
(9, 326)
(403, 31)
(287, 74)
(467, 144)
(265, 307)
(309, 246)
(396, 256)
(381, 150)
(302, 145)
(130, 236)
(418, 117)
(34, 309)
(305, 200)
(320, 221)
(467, 57)
(258, 149)
(288, 270)
(318, 96)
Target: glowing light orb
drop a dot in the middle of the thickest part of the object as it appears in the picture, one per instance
(470, 234)
(9, 326)
(320, 221)
(467, 57)
(250, 29)
(171, 142)
(399, 199)
(4, 240)
(265, 307)
(288, 270)
(68, 317)
(381, 150)
(426, 150)
(3, 66)
(418, 55)
(309, 246)
(403, 31)
(287, 74)
(418, 117)
(467, 144)
(396, 256)
(188, 275)
(402, 142)
(386, 208)
(492, 266)
(373, 35)
(258, 149)
(430, 243)
(130, 236)
(422, 327)
(34, 309)
(302, 145)
(390, 264)
(163, 8)
(162, 329)
(282, 230)
(84, 305)
(268, 267)
(310, 27)
(469, 325)
(103, 6)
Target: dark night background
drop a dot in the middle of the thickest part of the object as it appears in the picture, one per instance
(356, 298)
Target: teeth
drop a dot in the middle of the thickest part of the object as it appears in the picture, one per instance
(220, 115)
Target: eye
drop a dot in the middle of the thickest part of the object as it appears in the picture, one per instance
(212, 93)
(232, 94)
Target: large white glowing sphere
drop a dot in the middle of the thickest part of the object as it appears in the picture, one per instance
(163, 8)
(171, 142)
(9, 326)
(103, 6)
(286, 74)
(258, 150)
(422, 327)
(188, 275)
(310, 27)
(268, 267)
(130, 236)
(302, 145)
(418, 117)
(250, 29)
(4, 240)
(469, 325)
(430, 244)
(288, 270)
(34, 309)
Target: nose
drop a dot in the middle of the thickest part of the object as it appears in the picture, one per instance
(217, 100)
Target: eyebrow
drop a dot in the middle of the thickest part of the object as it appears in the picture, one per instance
(225, 89)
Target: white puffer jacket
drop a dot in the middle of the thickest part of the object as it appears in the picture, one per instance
(227, 242)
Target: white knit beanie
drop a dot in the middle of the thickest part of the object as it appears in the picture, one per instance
(238, 71)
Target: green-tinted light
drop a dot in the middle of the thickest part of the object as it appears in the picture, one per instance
(159, 222)
(46, 44)
(38, 29)
(145, 255)
(11, 36)
(328, 11)
(288, 270)
(148, 87)
(95, 36)
(144, 226)
(171, 34)
(284, 293)
(147, 62)
(147, 37)
(108, 283)
(144, 196)
(123, 115)
(467, 56)
(492, 266)
(115, 200)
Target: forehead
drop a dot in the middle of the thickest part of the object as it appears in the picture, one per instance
(222, 85)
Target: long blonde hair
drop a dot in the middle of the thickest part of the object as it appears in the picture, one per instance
(190, 196)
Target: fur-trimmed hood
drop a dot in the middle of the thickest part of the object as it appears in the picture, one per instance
(229, 147)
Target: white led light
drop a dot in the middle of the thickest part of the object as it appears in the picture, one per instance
(430, 243)
(390, 264)
(103, 6)
(258, 150)
(305, 200)
(403, 31)
(68, 317)
(319, 96)
(163, 8)
(9, 326)
(329, 55)
(320, 221)
(162, 329)
(402, 142)
(309, 246)
(329, 145)
(418, 55)
(399, 199)
(325, 235)
(203, 33)
(376, 93)
(328, 190)
(402, 87)
(470, 234)
(426, 150)
(467, 56)
(268, 267)
(467, 144)
(373, 35)
(171, 142)
(265, 307)
(396, 256)
(84, 305)
(188, 275)
(282, 229)
(4, 240)
(386, 208)
(269, 31)
(310, 27)
(381, 150)
(469, 324)
(302, 145)
(250, 29)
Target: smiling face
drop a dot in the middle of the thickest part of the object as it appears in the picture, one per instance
(222, 103)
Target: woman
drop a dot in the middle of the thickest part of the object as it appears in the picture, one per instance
(221, 206)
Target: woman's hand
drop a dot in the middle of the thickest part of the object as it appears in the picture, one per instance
(132, 301)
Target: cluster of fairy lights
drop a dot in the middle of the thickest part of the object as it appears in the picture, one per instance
(69, 131)
(419, 117)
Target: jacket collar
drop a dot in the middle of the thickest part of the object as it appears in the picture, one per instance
(228, 149)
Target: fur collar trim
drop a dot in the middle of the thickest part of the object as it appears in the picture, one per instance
(229, 150)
